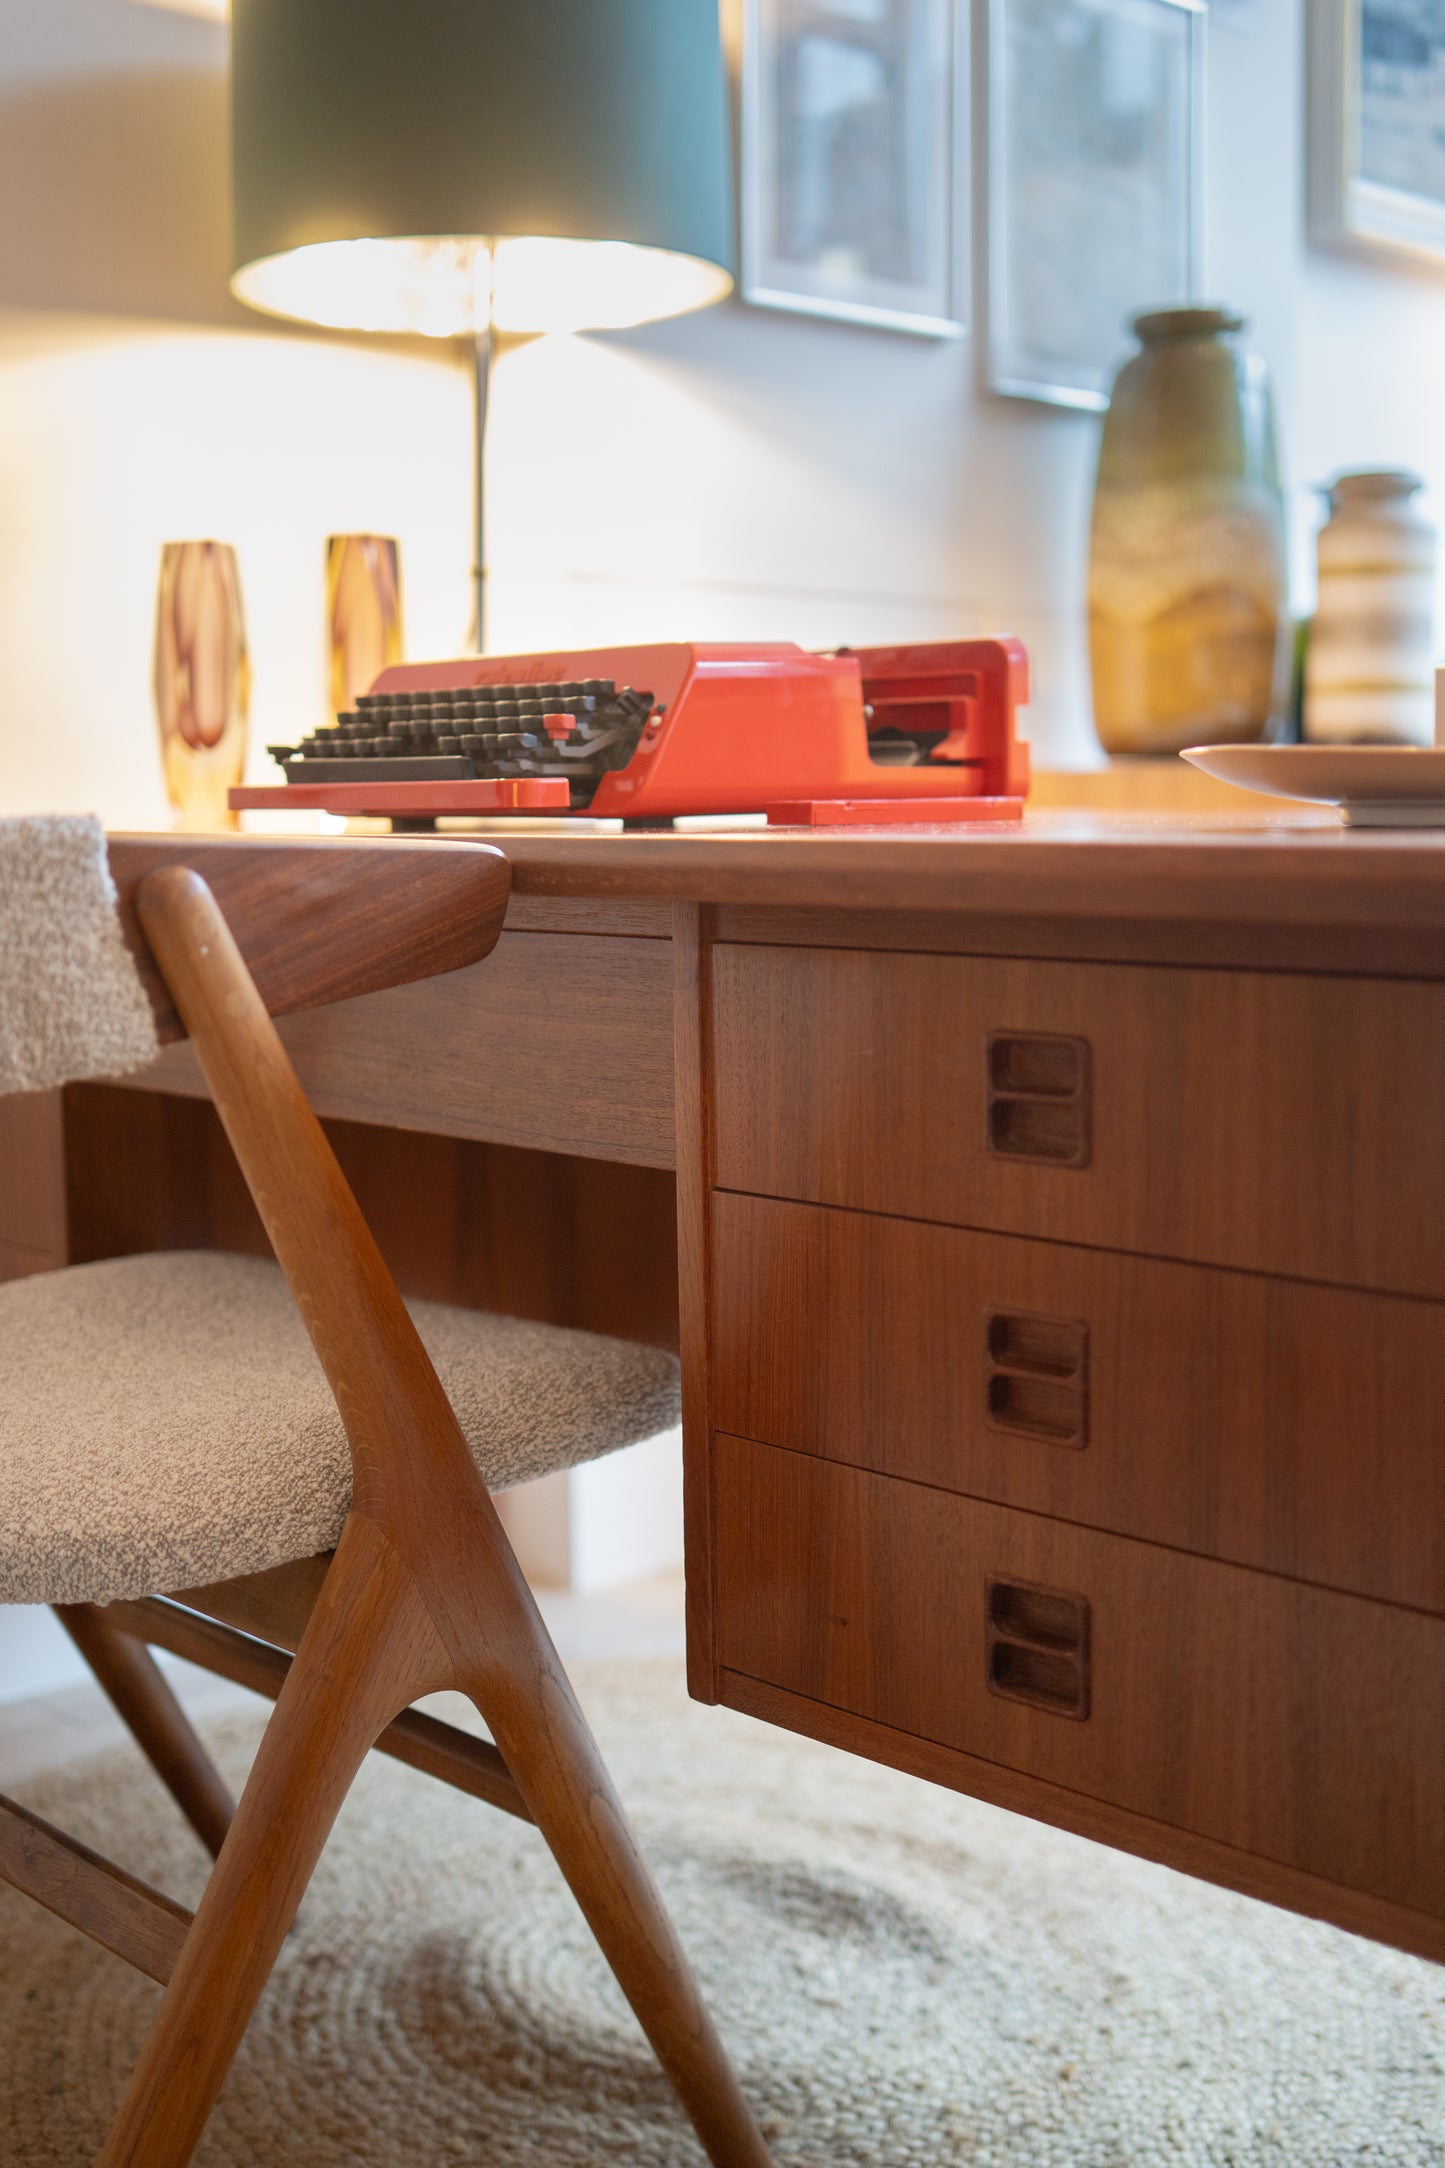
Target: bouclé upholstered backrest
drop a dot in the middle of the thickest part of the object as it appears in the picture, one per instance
(72, 1003)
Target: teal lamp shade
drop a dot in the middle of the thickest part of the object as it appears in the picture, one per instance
(440, 166)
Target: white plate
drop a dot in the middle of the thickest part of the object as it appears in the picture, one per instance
(1374, 786)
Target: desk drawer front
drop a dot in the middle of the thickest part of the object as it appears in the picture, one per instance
(1296, 1428)
(1279, 1123)
(1294, 1723)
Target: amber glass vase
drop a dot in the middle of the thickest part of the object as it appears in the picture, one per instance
(363, 613)
(1186, 562)
(202, 680)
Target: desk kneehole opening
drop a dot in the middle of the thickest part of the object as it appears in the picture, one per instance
(1037, 1647)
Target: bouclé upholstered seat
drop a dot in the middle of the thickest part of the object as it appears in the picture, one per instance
(164, 1420)
(281, 1470)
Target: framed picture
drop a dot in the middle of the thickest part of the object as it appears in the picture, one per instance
(1093, 140)
(853, 166)
(1376, 135)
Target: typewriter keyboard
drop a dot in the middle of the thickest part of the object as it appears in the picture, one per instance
(578, 730)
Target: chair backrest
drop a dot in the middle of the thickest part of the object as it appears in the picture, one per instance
(319, 919)
(72, 1001)
(234, 931)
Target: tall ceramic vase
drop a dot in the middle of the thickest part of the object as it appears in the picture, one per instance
(202, 680)
(1186, 565)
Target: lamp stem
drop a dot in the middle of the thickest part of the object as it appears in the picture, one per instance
(483, 351)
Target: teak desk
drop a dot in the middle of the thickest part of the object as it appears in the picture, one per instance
(1060, 1281)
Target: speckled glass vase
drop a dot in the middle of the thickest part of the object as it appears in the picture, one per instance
(1186, 564)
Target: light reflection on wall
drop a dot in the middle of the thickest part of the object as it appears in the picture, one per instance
(115, 439)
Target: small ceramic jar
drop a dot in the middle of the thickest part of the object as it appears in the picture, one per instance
(1370, 666)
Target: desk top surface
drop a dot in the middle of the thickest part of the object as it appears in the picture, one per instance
(1300, 868)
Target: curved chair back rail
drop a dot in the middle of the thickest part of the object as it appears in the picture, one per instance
(320, 919)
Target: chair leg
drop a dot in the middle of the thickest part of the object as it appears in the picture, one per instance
(159, 1725)
(515, 1677)
(368, 1652)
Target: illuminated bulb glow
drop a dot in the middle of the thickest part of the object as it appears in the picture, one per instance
(441, 285)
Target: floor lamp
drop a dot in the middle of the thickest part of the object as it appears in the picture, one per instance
(460, 168)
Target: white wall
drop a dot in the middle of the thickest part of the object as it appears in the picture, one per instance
(732, 474)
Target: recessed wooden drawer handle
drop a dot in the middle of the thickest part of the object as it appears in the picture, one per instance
(1038, 1097)
(1036, 1376)
(1037, 1647)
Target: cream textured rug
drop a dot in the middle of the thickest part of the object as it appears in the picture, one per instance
(905, 1978)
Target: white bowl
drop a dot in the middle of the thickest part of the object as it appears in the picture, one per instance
(1374, 786)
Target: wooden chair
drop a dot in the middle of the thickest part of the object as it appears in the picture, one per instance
(422, 1591)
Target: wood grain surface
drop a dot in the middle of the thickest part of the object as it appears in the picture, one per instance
(318, 921)
(568, 1241)
(146, 1702)
(1274, 1123)
(262, 1666)
(1232, 944)
(32, 1184)
(559, 1042)
(1280, 1719)
(692, 955)
(124, 1915)
(1277, 1424)
(1017, 1793)
(1345, 898)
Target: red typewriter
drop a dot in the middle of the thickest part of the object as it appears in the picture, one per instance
(647, 734)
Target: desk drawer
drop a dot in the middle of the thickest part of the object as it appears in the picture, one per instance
(1291, 1722)
(1292, 1427)
(1276, 1122)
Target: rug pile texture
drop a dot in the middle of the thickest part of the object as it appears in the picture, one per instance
(906, 1980)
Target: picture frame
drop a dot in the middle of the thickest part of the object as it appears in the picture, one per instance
(853, 161)
(1375, 134)
(1091, 130)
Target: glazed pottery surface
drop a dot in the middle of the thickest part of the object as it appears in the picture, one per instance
(1186, 568)
(1369, 670)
